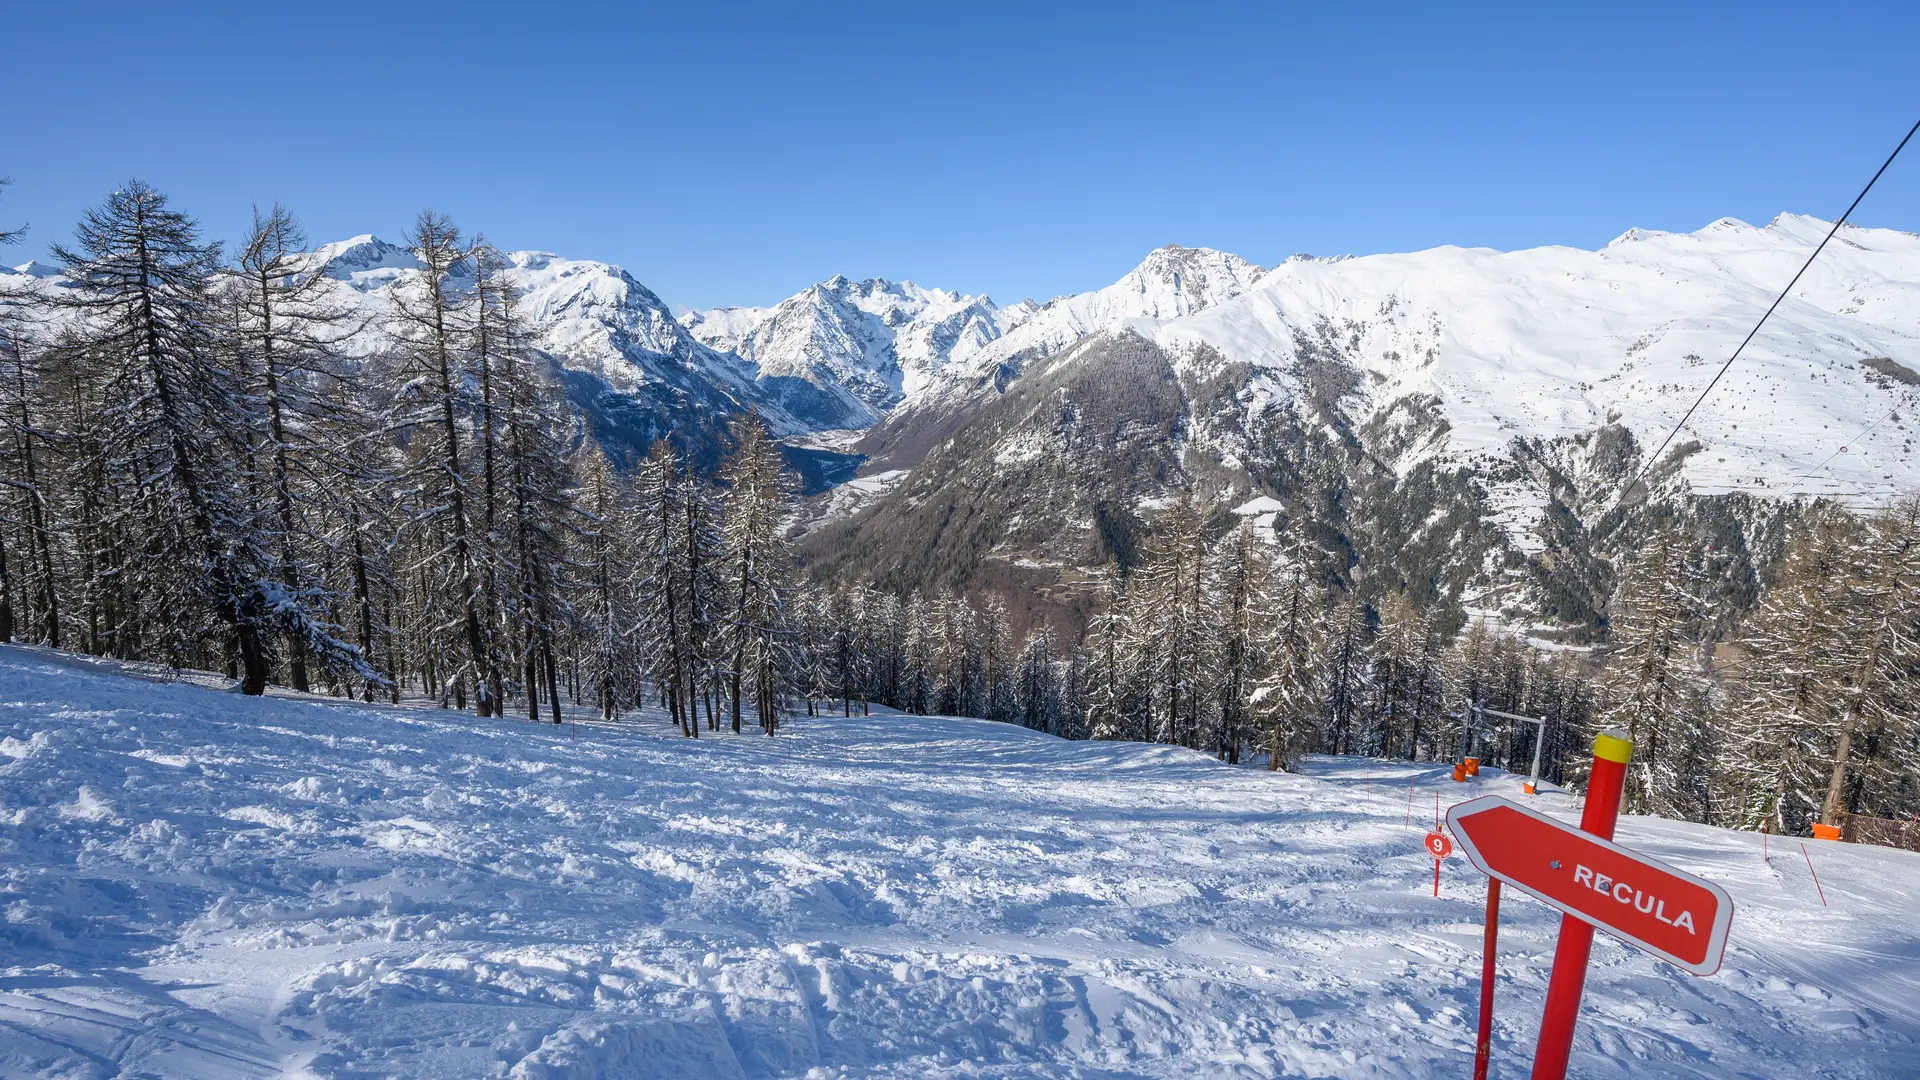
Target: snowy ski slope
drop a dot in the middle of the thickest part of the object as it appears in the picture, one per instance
(204, 886)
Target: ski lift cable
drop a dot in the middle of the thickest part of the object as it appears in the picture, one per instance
(1715, 381)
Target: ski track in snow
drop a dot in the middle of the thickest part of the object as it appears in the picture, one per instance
(201, 885)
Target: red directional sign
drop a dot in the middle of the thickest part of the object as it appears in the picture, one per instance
(1673, 915)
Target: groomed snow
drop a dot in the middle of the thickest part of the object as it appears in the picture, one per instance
(200, 885)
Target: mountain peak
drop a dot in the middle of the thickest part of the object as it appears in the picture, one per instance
(1173, 281)
(34, 268)
(365, 261)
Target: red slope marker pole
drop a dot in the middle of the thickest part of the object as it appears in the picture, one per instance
(1483, 1049)
(1611, 752)
(1816, 877)
(1411, 780)
(1439, 847)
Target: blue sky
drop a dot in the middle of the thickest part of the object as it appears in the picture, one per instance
(735, 154)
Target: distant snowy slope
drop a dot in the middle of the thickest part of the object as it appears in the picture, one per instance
(625, 361)
(594, 320)
(1171, 282)
(870, 342)
(1469, 416)
(1556, 342)
(200, 885)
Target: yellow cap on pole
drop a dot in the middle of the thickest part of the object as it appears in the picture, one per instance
(1613, 745)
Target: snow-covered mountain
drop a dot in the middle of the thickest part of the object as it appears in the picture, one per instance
(600, 326)
(1519, 389)
(625, 361)
(1553, 343)
(894, 347)
(1172, 282)
(868, 344)
(32, 269)
(1481, 410)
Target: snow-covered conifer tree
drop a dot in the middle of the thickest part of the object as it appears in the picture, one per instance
(997, 661)
(605, 605)
(431, 408)
(30, 583)
(1656, 677)
(761, 646)
(531, 495)
(1113, 669)
(290, 334)
(1179, 622)
(175, 435)
(1348, 666)
(918, 693)
(1880, 628)
(1241, 568)
(1037, 684)
(1287, 699)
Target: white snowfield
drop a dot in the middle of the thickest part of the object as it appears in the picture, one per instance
(1557, 341)
(203, 886)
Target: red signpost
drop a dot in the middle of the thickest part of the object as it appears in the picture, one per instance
(1673, 915)
(1483, 1045)
(1677, 917)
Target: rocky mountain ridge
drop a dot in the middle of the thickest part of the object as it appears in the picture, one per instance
(1468, 417)
(1476, 411)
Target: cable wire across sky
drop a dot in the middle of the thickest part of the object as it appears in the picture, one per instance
(1640, 477)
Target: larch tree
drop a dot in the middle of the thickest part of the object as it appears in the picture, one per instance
(1792, 669)
(760, 566)
(30, 582)
(1112, 671)
(1288, 697)
(1180, 620)
(526, 484)
(1240, 571)
(290, 332)
(175, 433)
(1348, 664)
(1881, 629)
(1656, 675)
(1397, 651)
(664, 618)
(602, 558)
(997, 661)
(1037, 684)
(431, 410)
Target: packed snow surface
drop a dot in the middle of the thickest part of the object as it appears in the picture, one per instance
(201, 885)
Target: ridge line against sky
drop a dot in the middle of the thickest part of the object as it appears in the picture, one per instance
(732, 156)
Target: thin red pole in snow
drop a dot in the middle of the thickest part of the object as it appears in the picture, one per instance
(1436, 877)
(1411, 780)
(1605, 785)
(1483, 1049)
(1816, 877)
